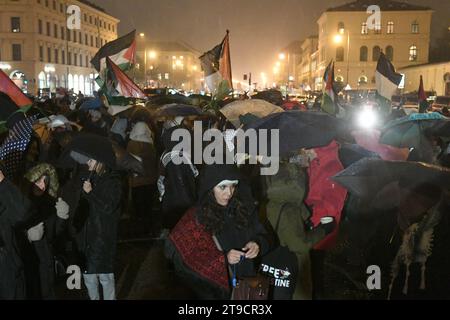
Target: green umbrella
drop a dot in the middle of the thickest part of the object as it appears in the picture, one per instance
(407, 132)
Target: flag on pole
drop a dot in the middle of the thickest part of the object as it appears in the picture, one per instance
(121, 51)
(423, 103)
(119, 84)
(387, 79)
(8, 87)
(329, 95)
(216, 64)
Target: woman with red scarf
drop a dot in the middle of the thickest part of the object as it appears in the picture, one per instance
(221, 233)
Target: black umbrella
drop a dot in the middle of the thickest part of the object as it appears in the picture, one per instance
(177, 110)
(367, 177)
(351, 153)
(94, 147)
(440, 129)
(162, 100)
(98, 148)
(299, 129)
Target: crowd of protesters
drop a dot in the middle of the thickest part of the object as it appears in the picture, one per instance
(63, 200)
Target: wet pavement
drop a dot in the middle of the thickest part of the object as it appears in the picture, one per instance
(142, 271)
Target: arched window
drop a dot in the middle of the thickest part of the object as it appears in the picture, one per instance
(42, 80)
(339, 79)
(413, 53)
(362, 80)
(363, 53)
(76, 83)
(376, 53)
(390, 27)
(63, 81)
(81, 86)
(70, 81)
(339, 54)
(390, 53)
(341, 28)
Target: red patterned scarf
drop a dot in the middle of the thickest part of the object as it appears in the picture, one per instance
(199, 251)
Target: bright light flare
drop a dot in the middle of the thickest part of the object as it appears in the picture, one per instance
(367, 118)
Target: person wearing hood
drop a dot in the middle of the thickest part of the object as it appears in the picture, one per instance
(14, 209)
(48, 216)
(176, 183)
(143, 187)
(286, 210)
(221, 233)
(95, 199)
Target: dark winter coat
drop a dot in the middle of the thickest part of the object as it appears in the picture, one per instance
(14, 209)
(39, 255)
(97, 238)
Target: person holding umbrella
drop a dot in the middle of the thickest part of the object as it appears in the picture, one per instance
(96, 199)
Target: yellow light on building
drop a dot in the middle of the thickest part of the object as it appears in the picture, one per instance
(152, 54)
(337, 39)
(281, 56)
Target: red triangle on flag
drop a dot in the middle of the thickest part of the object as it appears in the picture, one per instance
(130, 54)
(13, 91)
(123, 84)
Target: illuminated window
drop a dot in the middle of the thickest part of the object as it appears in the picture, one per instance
(341, 27)
(364, 29)
(412, 53)
(15, 24)
(390, 27)
(362, 80)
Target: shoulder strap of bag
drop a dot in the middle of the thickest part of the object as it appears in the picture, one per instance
(279, 215)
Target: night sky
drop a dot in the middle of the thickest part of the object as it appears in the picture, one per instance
(259, 29)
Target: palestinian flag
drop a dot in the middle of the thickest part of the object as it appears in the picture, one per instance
(387, 78)
(216, 64)
(8, 87)
(423, 103)
(329, 95)
(121, 51)
(119, 84)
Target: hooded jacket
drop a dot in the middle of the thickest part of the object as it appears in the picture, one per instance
(141, 145)
(97, 239)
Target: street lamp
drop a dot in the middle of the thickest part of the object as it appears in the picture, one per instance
(282, 57)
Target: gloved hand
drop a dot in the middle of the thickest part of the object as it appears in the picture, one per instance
(62, 209)
(36, 233)
(328, 227)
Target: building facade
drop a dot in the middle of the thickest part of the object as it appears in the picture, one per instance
(308, 62)
(436, 77)
(349, 36)
(168, 64)
(39, 51)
